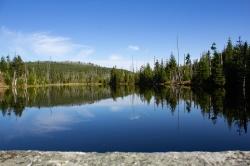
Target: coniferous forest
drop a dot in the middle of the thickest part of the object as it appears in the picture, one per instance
(16, 72)
(229, 68)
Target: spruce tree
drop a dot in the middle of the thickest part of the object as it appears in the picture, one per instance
(187, 68)
(148, 73)
(157, 72)
(228, 55)
(218, 77)
(248, 74)
(201, 69)
(3, 65)
(173, 68)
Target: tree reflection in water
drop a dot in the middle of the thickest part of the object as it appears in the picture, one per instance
(233, 106)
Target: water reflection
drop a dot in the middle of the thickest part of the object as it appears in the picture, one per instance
(214, 105)
(77, 118)
(15, 101)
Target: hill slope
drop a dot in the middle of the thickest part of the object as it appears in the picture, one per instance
(66, 72)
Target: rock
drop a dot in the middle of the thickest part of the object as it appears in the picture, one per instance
(24, 158)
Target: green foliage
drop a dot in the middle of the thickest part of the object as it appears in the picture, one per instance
(159, 73)
(172, 68)
(3, 65)
(218, 77)
(121, 77)
(248, 68)
(201, 70)
(38, 73)
(228, 65)
(229, 68)
(13, 70)
(146, 75)
(66, 72)
(187, 68)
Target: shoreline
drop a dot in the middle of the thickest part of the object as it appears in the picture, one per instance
(121, 158)
(48, 85)
(87, 84)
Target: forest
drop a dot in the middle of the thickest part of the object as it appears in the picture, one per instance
(228, 68)
(16, 72)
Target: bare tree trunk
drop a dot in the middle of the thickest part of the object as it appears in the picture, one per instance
(14, 80)
(14, 92)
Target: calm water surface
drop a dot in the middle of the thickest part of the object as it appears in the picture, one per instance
(126, 119)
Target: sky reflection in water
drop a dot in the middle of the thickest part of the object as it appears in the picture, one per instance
(129, 121)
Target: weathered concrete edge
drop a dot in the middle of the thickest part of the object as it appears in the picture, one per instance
(123, 158)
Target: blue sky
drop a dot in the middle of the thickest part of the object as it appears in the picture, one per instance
(110, 32)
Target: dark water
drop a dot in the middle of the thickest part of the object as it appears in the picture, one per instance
(126, 119)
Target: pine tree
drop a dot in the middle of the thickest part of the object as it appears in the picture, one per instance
(173, 68)
(201, 75)
(146, 75)
(163, 77)
(113, 77)
(187, 68)
(239, 64)
(17, 69)
(157, 71)
(244, 70)
(228, 52)
(248, 74)
(228, 55)
(218, 77)
(3, 65)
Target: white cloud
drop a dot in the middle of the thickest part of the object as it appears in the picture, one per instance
(115, 57)
(134, 47)
(115, 108)
(60, 121)
(86, 113)
(42, 46)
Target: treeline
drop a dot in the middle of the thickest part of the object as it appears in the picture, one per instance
(15, 72)
(228, 68)
(121, 77)
(66, 72)
(165, 72)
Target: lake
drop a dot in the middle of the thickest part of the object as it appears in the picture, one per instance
(125, 119)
